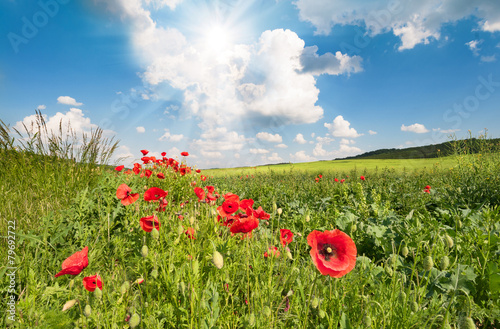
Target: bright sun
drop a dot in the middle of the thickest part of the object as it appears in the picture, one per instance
(217, 38)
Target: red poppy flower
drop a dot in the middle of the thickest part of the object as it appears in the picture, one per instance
(144, 152)
(336, 179)
(362, 177)
(246, 203)
(316, 179)
(286, 236)
(333, 252)
(160, 176)
(427, 187)
(273, 251)
(123, 193)
(427, 191)
(261, 214)
(120, 168)
(203, 178)
(147, 223)
(92, 282)
(198, 171)
(342, 180)
(148, 173)
(163, 154)
(211, 189)
(190, 233)
(200, 193)
(163, 204)
(184, 154)
(154, 193)
(244, 224)
(320, 176)
(230, 206)
(75, 263)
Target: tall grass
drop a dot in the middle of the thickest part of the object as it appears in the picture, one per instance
(42, 170)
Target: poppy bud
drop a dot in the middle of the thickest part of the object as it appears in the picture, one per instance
(308, 218)
(405, 251)
(251, 319)
(266, 311)
(154, 273)
(459, 224)
(196, 266)
(155, 234)
(134, 320)
(98, 293)
(402, 297)
(279, 211)
(315, 302)
(288, 254)
(218, 260)
(124, 288)
(69, 304)
(322, 314)
(428, 263)
(414, 307)
(180, 229)
(445, 262)
(449, 241)
(87, 311)
(144, 251)
(466, 323)
(71, 283)
(367, 321)
(388, 270)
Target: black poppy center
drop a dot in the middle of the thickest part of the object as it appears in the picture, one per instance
(328, 251)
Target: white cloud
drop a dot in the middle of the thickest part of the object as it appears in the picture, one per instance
(211, 155)
(123, 155)
(68, 101)
(274, 157)
(474, 46)
(341, 128)
(220, 140)
(259, 151)
(140, 130)
(281, 146)
(415, 128)
(346, 141)
(41, 107)
(167, 136)
(299, 139)
(445, 131)
(488, 59)
(301, 156)
(276, 138)
(414, 22)
(371, 132)
(329, 63)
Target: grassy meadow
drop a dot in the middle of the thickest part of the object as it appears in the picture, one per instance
(426, 257)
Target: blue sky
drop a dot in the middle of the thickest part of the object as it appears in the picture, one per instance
(243, 83)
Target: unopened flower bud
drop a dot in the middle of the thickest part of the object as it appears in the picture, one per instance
(87, 311)
(466, 323)
(69, 304)
(154, 273)
(124, 287)
(134, 320)
(144, 251)
(155, 233)
(449, 241)
(445, 262)
(367, 321)
(279, 211)
(218, 260)
(414, 307)
(405, 251)
(98, 293)
(428, 263)
(71, 283)
(315, 302)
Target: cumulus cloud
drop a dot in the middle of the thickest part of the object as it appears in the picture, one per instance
(140, 130)
(329, 63)
(258, 151)
(299, 139)
(167, 136)
(416, 22)
(371, 132)
(276, 138)
(415, 128)
(341, 128)
(41, 107)
(274, 158)
(282, 146)
(301, 156)
(68, 101)
(474, 46)
(211, 154)
(489, 59)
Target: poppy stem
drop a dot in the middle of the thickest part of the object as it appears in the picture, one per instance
(308, 305)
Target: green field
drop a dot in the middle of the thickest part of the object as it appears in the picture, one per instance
(357, 165)
(248, 252)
